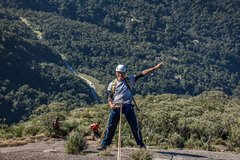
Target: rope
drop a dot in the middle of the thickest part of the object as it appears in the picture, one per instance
(119, 135)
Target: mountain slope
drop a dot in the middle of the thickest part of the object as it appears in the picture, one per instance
(198, 40)
(32, 74)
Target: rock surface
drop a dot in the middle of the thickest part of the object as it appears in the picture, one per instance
(54, 150)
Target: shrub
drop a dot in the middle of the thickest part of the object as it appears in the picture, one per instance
(142, 154)
(11, 131)
(129, 142)
(175, 140)
(76, 143)
(70, 124)
(31, 130)
(234, 137)
(16, 130)
(193, 143)
(106, 152)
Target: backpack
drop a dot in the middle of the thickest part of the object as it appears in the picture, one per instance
(114, 83)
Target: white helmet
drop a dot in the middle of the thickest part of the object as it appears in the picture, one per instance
(121, 68)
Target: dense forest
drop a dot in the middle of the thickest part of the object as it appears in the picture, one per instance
(199, 41)
(32, 74)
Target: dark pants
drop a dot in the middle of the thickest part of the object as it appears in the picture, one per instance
(96, 134)
(128, 110)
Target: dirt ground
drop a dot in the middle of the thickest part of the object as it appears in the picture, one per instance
(53, 149)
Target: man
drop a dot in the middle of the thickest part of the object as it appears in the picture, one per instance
(119, 94)
(95, 129)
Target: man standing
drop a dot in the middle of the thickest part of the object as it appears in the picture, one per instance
(119, 94)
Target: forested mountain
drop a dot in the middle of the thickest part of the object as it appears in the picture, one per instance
(199, 40)
(32, 74)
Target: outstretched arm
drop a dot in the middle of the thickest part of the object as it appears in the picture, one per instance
(147, 71)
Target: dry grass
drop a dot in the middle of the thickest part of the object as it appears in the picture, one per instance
(18, 141)
(11, 143)
(106, 152)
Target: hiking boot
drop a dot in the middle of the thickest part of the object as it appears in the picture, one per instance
(100, 148)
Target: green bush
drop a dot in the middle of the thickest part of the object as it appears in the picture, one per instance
(234, 137)
(76, 143)
(193, 143)
(142, 154)
(175, 140)
(17, 130)
(70, 125)
(31, 130)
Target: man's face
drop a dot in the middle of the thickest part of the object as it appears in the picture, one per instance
(120, 75)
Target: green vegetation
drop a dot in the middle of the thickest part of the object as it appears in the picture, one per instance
(76, 143)
(193, 102)
(32, 74)
(100, 88)
(199, 40)
(106, 152)
(141, 155)
(199, 44)
(209, 121)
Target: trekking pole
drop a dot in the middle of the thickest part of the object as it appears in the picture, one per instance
(119, 135)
